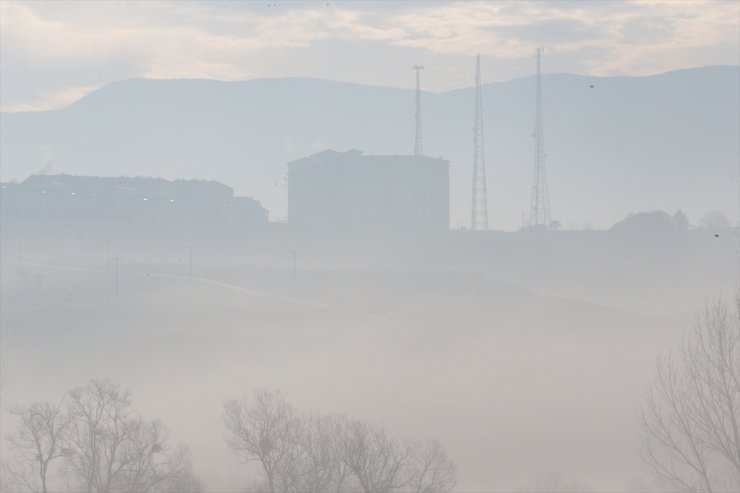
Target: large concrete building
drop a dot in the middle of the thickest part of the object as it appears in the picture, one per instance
(348, 191)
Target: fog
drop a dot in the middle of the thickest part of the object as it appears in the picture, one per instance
(532, 360)
(305, 305)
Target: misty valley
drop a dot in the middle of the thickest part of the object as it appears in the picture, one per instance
(526, 355)
(369, 246)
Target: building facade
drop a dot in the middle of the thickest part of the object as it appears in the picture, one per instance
(348, 191)
(140, 199)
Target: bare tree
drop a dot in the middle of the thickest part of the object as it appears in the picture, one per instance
(102, 424)
(106, 446)
(378, 463)
(333, 428)
(185, 482)
(112, 449)
(431, 471)
(321, 470)
(38, 441)
(268, 431)
(300, 453)
(691, 420)
(152, 466)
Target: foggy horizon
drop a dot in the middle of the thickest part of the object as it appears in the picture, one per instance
(409, 86)
(369, 247)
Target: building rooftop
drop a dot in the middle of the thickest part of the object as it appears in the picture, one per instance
(354, 155)
(124, 185)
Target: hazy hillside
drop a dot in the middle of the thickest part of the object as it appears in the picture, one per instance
(678, 132)
(496, 375)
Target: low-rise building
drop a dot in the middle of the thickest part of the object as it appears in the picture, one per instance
(68, 197)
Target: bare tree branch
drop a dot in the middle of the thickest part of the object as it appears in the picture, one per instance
(691, 418)
(38, 442)
(311, 453)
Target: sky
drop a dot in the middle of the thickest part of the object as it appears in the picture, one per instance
(53, 53)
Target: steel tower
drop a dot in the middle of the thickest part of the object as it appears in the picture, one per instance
(417, 142)
(539, 212)
(479, 215)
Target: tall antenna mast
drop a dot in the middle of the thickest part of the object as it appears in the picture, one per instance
(417, 142)
(539, 213)
(479, 216)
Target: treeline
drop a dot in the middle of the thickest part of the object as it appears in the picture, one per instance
(661, 222)
(94, 440)
(301, 452)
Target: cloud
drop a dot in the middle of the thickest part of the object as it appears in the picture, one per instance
(554, 32)
(50, 48)
(59, 99)
(647, 30)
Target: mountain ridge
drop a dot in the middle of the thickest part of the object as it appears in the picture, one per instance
(357, 84)
(670, 138)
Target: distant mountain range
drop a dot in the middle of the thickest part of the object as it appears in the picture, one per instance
(615, 145)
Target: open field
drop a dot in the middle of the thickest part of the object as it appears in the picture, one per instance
(513, 382)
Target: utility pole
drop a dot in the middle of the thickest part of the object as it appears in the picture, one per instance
(480, 291)
(116, 278)
(190, 248)
(417, 142)
(539, 213)
(295, 265)
(479, 214)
